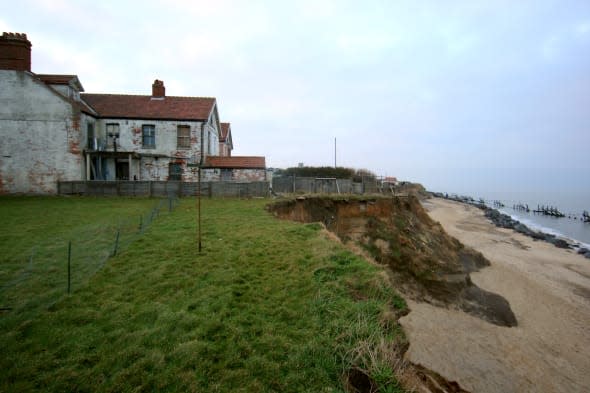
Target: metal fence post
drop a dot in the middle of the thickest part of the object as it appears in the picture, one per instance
(116, 243)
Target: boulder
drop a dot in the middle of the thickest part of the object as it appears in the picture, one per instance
(561, 243)
(521, 228)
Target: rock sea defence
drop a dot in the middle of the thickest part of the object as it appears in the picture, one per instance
(505, 221)
(425, 263)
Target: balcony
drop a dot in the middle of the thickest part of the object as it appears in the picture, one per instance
(96, 144)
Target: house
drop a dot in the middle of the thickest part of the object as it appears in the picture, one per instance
(225, 142)
(51, 130)
(389, 181)
(236, 168)
(140, 137)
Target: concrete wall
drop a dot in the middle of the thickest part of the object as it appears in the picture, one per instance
(40, 135)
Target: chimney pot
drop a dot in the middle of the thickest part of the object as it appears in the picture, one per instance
(15, 52)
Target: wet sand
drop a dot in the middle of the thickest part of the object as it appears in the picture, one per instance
(549, 291)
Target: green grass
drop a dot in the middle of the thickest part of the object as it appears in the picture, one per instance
(35, 237)
(268, 306)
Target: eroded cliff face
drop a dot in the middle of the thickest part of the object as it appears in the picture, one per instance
(426, 264)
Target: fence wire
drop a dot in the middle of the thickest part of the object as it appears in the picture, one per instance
(53, 269)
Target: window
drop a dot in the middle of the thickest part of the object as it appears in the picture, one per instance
(112, 134)
(148, 135)
(113, 130)
(183, 137)
(226, 174)
(174, 171)
(90, 135)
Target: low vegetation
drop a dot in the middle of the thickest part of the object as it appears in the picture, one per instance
(268, 305)
(327, 171)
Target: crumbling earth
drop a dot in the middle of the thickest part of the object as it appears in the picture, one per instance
(425, 263)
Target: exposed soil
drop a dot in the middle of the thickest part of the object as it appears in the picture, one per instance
(426, 264)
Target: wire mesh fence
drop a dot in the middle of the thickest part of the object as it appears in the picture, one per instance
(61, 265)
(321, 185)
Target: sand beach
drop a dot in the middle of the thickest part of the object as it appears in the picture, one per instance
(549, 291)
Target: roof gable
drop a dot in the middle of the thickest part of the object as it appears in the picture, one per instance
(43, 80)
(145, 107)
(224, 131)
(226, 135)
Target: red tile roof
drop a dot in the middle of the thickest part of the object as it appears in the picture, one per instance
(235, 162)
(56, 79)
(144, 107)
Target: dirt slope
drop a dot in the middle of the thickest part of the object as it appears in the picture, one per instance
(425, 262)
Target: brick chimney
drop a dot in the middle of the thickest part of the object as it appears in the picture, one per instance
(158, 89)
(15, 52)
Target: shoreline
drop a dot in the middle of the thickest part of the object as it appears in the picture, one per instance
(507, 221)
(549, 290)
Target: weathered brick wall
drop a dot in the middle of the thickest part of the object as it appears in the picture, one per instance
(154, 164)
(44, 138)
(249, 175)
(40, 136)
(237, 175)
(211, 174)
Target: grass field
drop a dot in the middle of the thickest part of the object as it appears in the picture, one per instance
(268, 305)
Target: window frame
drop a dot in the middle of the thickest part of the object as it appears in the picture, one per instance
(112, 132)
(175, 175)
(90, 136)
(147, 136)
(112, 128)
(183, 141)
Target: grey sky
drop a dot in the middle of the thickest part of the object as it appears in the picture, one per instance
(459, 95)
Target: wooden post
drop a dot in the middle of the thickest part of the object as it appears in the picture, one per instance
(69, 264)
(130, 167)
(87, 166)
(199, 209)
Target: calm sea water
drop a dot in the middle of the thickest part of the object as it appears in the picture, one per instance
(571, 204)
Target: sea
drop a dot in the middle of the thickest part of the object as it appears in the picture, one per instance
(572, 205)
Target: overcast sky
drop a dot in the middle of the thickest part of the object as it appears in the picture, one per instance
(459, 95)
